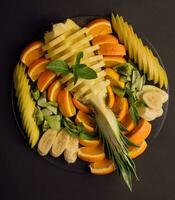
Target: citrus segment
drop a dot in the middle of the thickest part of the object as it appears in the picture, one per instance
(32, 52)
(109, 49)
(120, 107)
(111, 61)
(140, 132)
(53, 90)
(36, 68)
(110, 97)
(102, 167)
(86, 120)
(65, 103)
(89, 143)
(136, 151)
(45, 79)
(102, 39)
(91, 154)
(80, 106)
(99, 27)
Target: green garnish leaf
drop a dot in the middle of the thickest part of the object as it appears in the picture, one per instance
(36, 94)
(140, 103)
(59, 67)
(82, 70)
(118, 91)
(122, 128)
(134, 114)
(86, 72)
(79, 57)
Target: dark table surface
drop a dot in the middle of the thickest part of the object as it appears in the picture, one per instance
(25, 175)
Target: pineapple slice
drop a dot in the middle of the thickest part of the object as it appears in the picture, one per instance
(59, 29)
(25, 103)
(140, 53)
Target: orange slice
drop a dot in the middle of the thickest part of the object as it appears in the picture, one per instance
(120, 107)
(110, 97)
(114, 78)
(140, 132)
(137, 151)
(90, 143)
(102, 39)
(36, 68)
(102, 167)
(91, 154)
(111, 61)
(109, 49)
(32, 52)
(80, 106)
(45, 79)
(65, 103)
(53, 90)
(99, 27)
(128, 122)
(86, 120)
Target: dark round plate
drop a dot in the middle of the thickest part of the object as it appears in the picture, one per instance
(80, 166)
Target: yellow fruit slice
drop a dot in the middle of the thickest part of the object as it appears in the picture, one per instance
(91, 154)
(25, 103)
(102, 167)
(140, 53)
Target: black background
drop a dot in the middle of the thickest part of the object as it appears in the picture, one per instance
(25, 175)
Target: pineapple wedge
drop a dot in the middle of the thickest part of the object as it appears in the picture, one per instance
(25, 103)
(140, 53)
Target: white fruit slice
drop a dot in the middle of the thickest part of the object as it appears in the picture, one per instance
(164, 95)
(60, 143)
(46, 142)
(148, 113)
(70, 153)
(152, 99)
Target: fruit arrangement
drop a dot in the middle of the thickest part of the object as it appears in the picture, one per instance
(83, 92)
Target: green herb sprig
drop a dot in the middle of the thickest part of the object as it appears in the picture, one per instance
(79, 70)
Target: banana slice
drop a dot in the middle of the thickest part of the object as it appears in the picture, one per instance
(148, 113)
(46, 142)
(164, 95)
(60, 143)
(152, 99)
(70, 153)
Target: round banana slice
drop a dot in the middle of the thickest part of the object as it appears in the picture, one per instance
(148, 113)
(164, 95)
(60, 143)
(152, 99)
(70, 153)
(46, 142)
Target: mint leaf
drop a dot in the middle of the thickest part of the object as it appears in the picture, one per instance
(79, 57)
(75, 73)
(59, 67)
(86, 72)
(36, 94)
(134, 114)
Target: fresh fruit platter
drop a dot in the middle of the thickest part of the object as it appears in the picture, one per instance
(91, 93)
